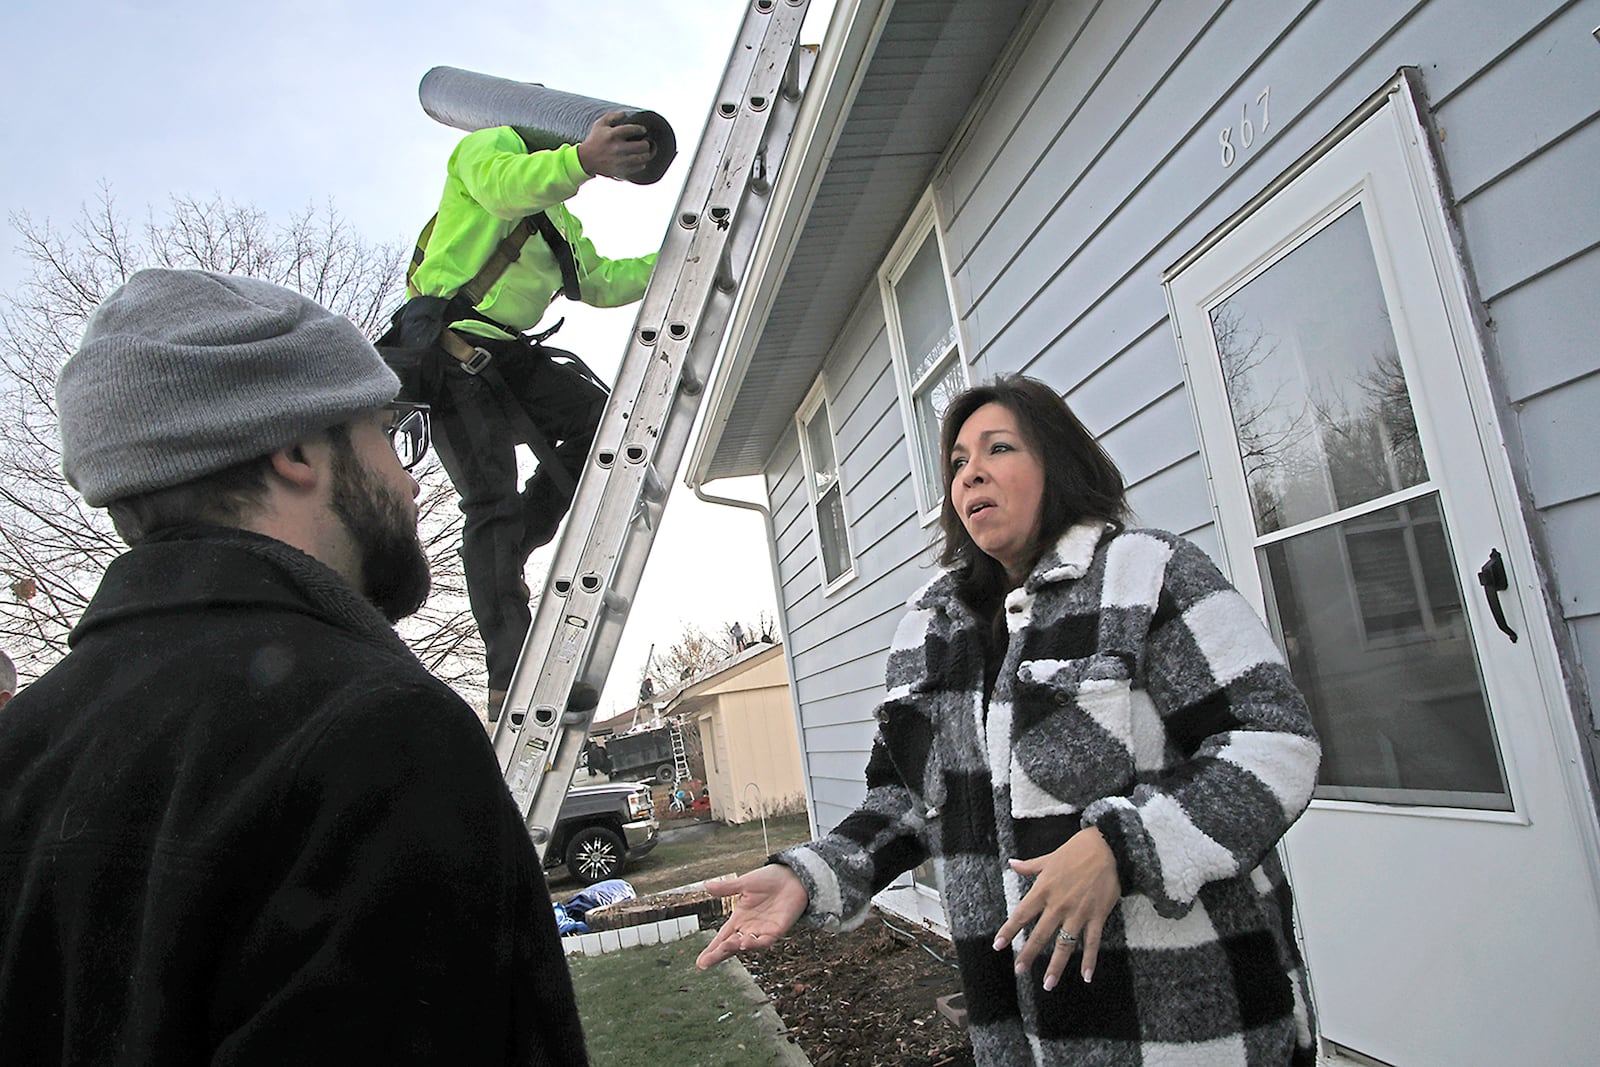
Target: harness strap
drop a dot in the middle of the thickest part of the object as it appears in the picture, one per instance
(479, 361)
(507, 252)
(563, 253)
(417, 253)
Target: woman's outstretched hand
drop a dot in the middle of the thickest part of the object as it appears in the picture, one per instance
(1076, 888)
(768, 901)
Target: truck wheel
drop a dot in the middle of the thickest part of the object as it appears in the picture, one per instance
(594, 854)
(664, 774)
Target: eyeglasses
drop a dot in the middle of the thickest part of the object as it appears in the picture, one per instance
(407, 430)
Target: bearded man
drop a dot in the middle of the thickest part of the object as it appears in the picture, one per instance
(241, 823)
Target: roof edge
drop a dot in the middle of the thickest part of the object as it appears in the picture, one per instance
(853, 32)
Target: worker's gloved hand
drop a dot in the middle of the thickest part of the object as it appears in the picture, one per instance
(615, 148)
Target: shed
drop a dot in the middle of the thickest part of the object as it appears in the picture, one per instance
(744, 718)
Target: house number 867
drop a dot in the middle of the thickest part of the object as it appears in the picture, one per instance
(1247, 129)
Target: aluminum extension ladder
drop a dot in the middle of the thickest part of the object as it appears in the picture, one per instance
(645, 429)
(680, 752)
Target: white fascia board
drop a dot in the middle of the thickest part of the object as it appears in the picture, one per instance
(842, 60)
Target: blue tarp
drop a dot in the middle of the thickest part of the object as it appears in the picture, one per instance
(571, 913)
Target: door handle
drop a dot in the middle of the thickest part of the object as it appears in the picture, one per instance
(1492, 576)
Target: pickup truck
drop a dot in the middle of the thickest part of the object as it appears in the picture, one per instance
(601, 827)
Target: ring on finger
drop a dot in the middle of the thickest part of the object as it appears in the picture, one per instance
(1064, 937)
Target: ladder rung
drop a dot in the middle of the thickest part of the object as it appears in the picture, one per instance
(645, 430)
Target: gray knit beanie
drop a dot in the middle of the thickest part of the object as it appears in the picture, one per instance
(183, 373)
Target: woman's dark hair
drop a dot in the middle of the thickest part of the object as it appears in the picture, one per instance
(1080, 481)
(221, 498)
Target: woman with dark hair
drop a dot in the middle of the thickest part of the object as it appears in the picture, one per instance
(1095, 737)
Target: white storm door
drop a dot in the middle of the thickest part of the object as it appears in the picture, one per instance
(1444, 873)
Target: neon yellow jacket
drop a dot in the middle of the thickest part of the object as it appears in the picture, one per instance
(493, 181)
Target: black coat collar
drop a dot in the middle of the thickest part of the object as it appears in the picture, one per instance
(204, 567)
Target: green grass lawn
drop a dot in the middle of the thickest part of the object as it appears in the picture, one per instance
(710, 850)
(649, 1006)
(722, 849)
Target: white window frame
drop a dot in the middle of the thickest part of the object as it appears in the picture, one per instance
(924, 222)
(817, 404)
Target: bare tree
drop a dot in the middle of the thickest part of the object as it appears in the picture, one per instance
(694, 652)
(53, 547)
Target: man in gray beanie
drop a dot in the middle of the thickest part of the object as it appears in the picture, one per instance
(241, 822)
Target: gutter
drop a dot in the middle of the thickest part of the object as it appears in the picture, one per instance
(783, 635)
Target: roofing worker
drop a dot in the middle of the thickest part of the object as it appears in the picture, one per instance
(501, 248)
(241, 824)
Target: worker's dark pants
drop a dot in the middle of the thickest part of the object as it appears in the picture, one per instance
(477, 442)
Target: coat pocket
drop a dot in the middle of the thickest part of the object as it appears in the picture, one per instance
(907, 752)
(1072, 734)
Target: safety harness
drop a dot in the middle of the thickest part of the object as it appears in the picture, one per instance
(477, 360)
(507, 252)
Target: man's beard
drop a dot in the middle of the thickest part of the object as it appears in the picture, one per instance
(394, 568)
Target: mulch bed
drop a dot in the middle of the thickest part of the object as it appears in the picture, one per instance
(865, 998)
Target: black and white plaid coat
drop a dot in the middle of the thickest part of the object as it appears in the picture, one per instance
(1141, 694)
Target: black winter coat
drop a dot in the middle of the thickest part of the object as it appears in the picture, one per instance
(241, 824)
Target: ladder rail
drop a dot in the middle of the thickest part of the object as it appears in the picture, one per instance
(714, 136)
(645, 431)
(659, 293)
(611, 566)
(646, 334)
(626, 483)
(680, 753)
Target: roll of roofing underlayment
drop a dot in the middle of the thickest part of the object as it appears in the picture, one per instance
(545, 118)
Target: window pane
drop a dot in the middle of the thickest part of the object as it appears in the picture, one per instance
(1314, 381)
(926, 327)
(930, 403)
(1369, 612)
(830, 530)
(819, 441)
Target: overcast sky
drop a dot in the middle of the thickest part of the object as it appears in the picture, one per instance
(294, 102)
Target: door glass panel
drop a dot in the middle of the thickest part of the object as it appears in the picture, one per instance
(1314, 382)
(1367, 606)
(1369, 612)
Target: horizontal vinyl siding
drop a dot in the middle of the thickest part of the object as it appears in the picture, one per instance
(838, 640)
(1546, 333)
(1521, 147)
(1096, 165)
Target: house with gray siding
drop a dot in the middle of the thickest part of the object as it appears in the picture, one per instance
(1322, 276)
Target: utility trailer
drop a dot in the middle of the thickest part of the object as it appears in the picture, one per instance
(644, 754)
